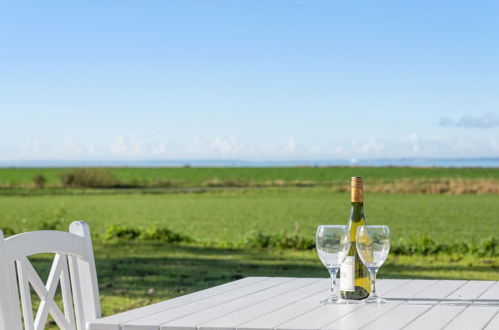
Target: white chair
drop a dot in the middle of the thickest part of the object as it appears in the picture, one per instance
(73, 267)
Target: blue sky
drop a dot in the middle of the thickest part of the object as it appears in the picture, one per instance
(255, 80)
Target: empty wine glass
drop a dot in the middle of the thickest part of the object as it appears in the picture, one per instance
(373, 244)
(332, 243)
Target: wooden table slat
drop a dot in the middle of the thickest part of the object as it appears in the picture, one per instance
(324, 315)
(281, 315)
(398, 317)
(441, 290)
(439, 315)
(232, 320)
(473, 317)
(192, 321)
(410, 289)
(153, 321)
(360, 317)
(318, 317)
(471, 290)
(494, 323)
(367, 315)
(435, 318)
(387, 287)
(492, 292)
(113, 322)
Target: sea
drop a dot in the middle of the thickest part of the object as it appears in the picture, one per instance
(400, 162)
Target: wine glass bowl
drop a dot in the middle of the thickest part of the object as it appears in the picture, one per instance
(332, 245)
(373, 245)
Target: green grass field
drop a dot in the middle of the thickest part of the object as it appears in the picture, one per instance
(229, 215)
(196, 176)
(133, 274)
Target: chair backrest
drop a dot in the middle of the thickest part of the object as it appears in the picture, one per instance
(73, 267)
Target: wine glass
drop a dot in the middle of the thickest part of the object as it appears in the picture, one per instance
(332, 243)
(373, 244)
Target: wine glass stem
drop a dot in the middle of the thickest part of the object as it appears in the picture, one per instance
(332, 273)
(372, 274)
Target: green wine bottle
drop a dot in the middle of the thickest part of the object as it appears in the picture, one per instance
(354, 276)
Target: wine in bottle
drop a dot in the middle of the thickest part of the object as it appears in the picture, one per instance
(354, 276)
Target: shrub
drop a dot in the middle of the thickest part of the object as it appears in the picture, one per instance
(423, 245)
(117, 232)
(87, 178)
(39, 180)
(167, 183)
(135, 183)
(488, 247)
(303, 183)
(285, 241)
(420, 244)
(258, 239)
(163, 235)
(159, 234)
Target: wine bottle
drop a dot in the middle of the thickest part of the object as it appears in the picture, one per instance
(354, 276)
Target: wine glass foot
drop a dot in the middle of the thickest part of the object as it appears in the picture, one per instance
(333, 300)
(374, 300)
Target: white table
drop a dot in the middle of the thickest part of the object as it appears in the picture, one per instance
(293, 303)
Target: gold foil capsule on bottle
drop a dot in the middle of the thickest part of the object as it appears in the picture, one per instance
(357, 185)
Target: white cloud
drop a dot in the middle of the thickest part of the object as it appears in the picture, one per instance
(289, 146)
(487, 120)
(414, 141)
(159, 149)
(31, 146)
(91, 149)
(133, 147)
(219, 147)
(226, 147)
(494, 144)
(364, 147)
(194, 147)
(72, 148)
(119, 147)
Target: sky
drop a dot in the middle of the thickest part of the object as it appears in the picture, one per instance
(254, 80)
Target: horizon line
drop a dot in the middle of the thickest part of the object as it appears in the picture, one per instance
(486, 162)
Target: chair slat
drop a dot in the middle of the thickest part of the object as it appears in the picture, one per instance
(77, 297)
(44, 241)
(87, 274)
(27, 306)
(67, 297)
(10, 314)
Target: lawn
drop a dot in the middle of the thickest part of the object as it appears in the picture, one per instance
(229, 215)
(197, 176)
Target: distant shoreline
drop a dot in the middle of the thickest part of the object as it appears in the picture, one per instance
(401, 162)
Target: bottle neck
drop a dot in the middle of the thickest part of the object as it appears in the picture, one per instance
(357, 211)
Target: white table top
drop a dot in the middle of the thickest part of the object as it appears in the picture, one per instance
(294, 303)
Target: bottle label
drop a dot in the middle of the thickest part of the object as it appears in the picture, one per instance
(347, 278)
